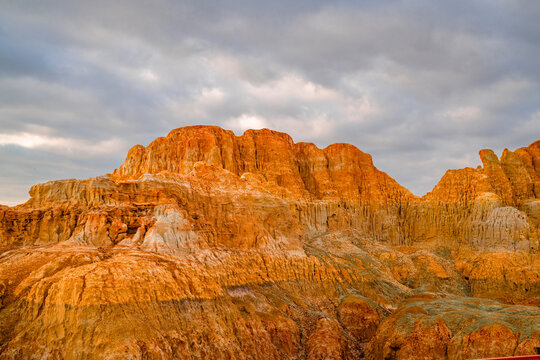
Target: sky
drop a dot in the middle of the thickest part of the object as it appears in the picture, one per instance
(421, 85)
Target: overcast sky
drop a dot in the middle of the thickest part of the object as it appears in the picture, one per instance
(420, 85)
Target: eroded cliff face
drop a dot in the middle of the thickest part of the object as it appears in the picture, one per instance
(206, 244)
(449, 327)
(340, 171)
(494, 204)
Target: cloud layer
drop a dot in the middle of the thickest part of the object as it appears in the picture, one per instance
(420, 85)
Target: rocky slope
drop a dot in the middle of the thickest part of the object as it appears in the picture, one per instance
(209, 245)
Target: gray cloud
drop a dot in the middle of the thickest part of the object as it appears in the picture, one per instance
(421, 85)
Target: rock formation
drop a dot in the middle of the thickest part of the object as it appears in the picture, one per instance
(209, 245)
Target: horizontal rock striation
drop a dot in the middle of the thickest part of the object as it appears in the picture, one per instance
(340, 171)
(207, 172)
(209, 245)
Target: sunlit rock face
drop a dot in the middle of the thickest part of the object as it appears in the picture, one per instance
(209, 245)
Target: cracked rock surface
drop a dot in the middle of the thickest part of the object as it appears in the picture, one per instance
(209, 245)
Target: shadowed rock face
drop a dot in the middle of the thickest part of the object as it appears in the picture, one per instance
(208, 245)
(435, 327)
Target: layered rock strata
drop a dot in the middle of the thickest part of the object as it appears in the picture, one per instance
(206, 244)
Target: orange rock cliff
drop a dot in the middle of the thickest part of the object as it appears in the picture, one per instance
(209, 245)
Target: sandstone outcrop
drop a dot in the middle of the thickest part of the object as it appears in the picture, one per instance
(209, 245)
(428, 326)
(510, 180)
(340, 171)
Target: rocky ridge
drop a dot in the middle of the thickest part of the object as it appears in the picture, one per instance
(209, 244)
